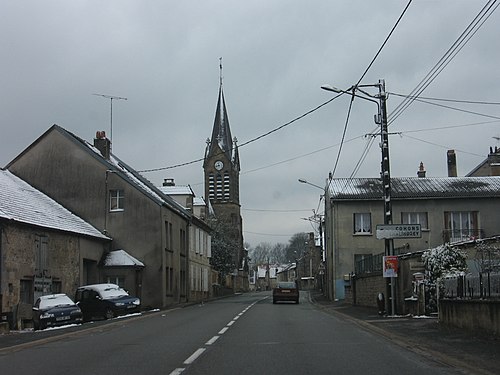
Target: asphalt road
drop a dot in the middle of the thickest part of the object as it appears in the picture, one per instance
(244, 334)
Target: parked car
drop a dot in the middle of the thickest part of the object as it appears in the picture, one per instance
(55, 310)
(286, 291)
(105, 301)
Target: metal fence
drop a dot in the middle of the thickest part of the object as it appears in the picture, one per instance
(480, 286)
(369, 264)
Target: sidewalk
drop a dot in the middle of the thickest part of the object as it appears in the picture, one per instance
(479, 354)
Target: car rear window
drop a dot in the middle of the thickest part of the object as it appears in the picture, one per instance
(56, 300)
(286, 285)
(112, 293)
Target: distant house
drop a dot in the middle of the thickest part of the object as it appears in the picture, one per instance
(449, 209)
(200, 249)
(93, 183)
(43, 248)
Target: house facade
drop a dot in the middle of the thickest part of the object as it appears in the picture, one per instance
(450, 209)
(44, 249)
(102, 189)
(200, 249)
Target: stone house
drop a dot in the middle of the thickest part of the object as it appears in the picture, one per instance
(96, 185)
(43, 249)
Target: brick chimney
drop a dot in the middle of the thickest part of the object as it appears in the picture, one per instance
(168, 182)
(494, 161)
(102, 143)
(452, 163)
(421, 171)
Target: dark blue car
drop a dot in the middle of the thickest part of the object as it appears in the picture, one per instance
(55, 310)
(105, 301)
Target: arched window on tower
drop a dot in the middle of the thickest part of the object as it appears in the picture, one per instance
(211, 186)
(226, 186)
(219, 187)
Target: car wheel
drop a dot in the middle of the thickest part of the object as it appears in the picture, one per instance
(297, 302)
(274, 301)
(109, 314)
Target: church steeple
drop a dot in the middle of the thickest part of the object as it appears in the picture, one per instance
(221, 139)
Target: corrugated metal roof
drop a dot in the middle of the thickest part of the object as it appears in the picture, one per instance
(22, 203)
(415, 188)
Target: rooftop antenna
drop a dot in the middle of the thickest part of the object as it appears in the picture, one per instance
(111, 98)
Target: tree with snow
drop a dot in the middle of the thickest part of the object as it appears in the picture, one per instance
(441, 261)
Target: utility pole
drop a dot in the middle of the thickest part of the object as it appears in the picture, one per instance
(386, 179)
(110, 97)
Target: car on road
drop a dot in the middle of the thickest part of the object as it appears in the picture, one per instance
(286, 291)
(105, 301)
(55, 310)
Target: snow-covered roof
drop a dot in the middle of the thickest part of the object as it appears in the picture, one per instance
(415, 187)
(120, 258)
(22, 203)
(176, 190)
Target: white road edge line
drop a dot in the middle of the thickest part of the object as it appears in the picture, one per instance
(193, 356)
(230, 323)
(223, 330)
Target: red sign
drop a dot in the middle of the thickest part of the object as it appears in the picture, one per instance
(391, 264)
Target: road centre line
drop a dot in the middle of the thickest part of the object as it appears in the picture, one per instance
(200, 351)
(177, 371)
(195, 355)
(212, 340)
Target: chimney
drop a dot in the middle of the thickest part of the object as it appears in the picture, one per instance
(421, 171)
(168, 182)
(102, 143)
(452, 163)
(494, 161)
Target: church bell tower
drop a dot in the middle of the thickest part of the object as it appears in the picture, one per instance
(222, 173)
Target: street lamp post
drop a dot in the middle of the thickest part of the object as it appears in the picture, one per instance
(303, 181)
(380, 119)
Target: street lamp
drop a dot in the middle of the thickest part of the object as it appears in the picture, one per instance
(303, 181)
(380, 119)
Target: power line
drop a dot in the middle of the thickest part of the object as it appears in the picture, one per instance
(450, 54)
(444, 100)
(251, 140)
(383, 44)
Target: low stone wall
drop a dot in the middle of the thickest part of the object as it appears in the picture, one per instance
(366, 289)
(473, 315)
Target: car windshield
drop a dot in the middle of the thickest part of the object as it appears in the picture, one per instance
(55, 300)
(112, 293)
(286, 285)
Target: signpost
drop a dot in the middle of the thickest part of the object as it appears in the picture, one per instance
(388, 231)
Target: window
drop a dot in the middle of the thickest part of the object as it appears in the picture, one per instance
(26, 292)
(116, 200)
(415, 218)
(118, 280)
(168, 235)
(461, 225)
(41, 254)
(362, 223)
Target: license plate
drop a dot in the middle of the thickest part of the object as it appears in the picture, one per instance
(285, 291)
(59, 318)
(130, 306)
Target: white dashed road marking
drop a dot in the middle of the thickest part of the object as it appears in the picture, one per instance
(200, 351)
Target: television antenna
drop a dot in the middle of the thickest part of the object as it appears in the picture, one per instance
(111, 98)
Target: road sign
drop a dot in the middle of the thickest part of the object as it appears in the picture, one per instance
(398, 231)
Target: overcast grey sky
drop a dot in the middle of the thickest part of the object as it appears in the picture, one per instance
(164, 57)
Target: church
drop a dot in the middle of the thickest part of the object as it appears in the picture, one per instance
(222, 173)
